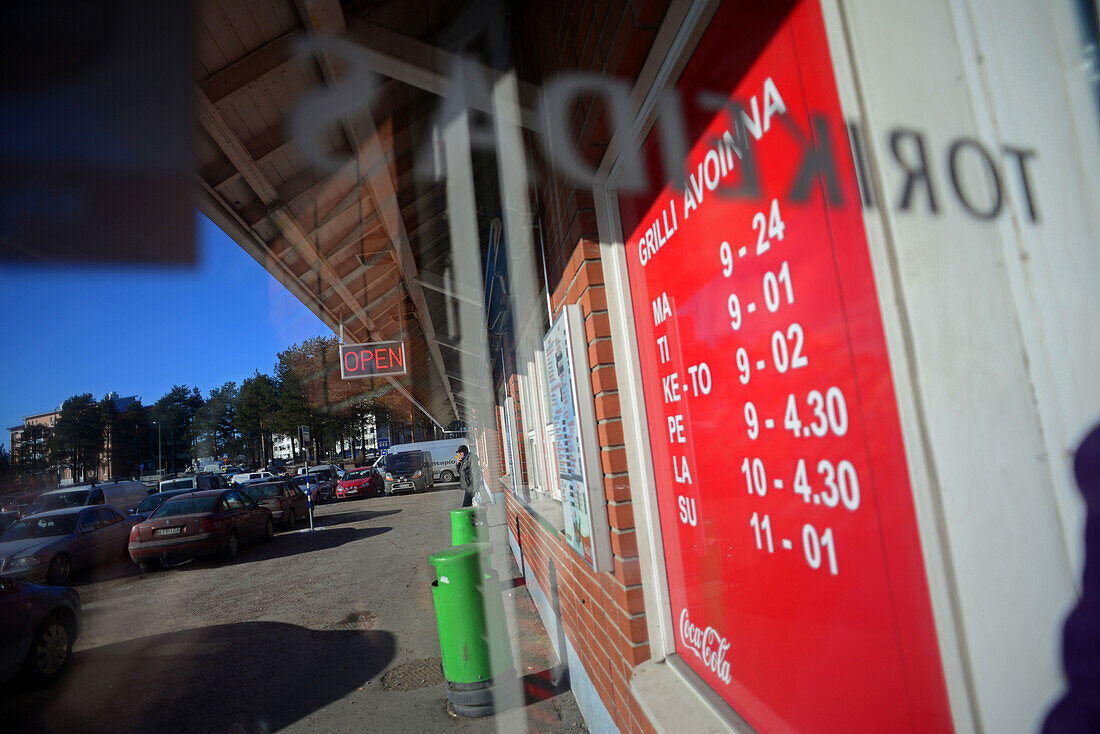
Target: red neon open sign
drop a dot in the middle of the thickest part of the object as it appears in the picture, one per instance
(372, 360)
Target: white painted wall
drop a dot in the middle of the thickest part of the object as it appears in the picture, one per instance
(991, 323)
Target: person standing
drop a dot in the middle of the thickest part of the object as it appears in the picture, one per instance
(469, 474)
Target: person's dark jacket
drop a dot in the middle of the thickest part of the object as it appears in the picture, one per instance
(1079, 710)
(469, 475)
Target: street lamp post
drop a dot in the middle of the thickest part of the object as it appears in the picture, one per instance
(160, 463)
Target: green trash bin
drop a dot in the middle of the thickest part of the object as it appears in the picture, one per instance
(470, 613)
(468, 526)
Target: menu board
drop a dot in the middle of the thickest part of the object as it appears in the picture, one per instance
(796, 578)
(576, 453)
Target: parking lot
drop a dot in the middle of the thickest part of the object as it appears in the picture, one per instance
(331, 630)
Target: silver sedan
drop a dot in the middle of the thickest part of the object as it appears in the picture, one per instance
(49, 546)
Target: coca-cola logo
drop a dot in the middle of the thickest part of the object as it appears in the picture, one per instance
(707, 644)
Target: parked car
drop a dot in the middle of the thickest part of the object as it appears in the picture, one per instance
(16, 503)
(408, 471)
(38, 626)
(7, 519)
(152, 502)
(287, 503)
(443, 452)
(335, 470)
(320, 483)
(197, 524)
(360, 482)
(277, 466)
(125, 495)
(196, 482)
(49, 546)
(251, 476)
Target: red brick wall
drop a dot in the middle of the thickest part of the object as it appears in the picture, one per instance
(603, 613)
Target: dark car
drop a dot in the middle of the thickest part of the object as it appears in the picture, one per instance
(38, 625)
(214, 522)
(7, 519)
(21, 502)
(321, 484)
(277, 466)
(287, 503)
(360, 482)
(50, 545)
(408, 471)
(153, 501)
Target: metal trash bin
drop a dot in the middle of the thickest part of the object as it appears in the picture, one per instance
(473, 637)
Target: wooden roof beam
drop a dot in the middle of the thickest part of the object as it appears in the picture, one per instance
(326, 17)
(220, 132)
(250, 69)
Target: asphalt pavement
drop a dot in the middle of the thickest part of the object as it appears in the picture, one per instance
(325, 631)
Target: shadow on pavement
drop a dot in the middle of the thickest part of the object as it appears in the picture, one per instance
(245, 677)
(103, 572)
(341, 518)
(287, 544)
(306, 541)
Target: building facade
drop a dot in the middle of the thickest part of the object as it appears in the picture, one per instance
(32, 446)
(790, 446)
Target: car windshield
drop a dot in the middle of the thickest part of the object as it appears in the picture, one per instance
(59, 501)
(185, 506)
(40, 527)
(177, 484)
(403, 462)
(259, 491)
(357, 474)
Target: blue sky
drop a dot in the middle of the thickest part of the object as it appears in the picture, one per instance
(140, 330)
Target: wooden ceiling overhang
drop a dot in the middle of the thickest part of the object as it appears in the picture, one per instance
(365, 246)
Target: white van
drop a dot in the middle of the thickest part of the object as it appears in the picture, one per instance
(444, 466)
(125, 495)
(250, 476)
(196, 483)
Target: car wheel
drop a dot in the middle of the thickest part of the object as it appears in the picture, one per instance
(269, 530)
(59, 570)
(50, 649)
(446, 476)
(232, 545)
(149, 566)
(291, 520)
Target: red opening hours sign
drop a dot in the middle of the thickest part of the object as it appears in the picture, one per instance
(795, 572)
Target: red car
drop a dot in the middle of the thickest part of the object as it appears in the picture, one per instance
(287, 503)
(214, 522)
(361, 482)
